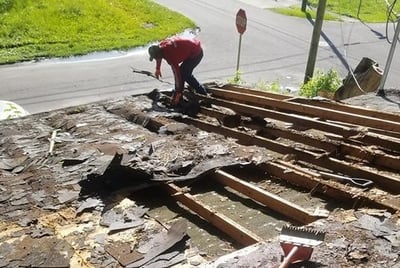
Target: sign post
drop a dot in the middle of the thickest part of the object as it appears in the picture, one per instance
(241, 23)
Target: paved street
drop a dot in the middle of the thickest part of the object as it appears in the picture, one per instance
(274, 48)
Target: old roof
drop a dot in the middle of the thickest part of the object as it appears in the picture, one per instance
(64, 176)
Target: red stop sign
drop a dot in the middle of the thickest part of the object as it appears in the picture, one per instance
(241, 21)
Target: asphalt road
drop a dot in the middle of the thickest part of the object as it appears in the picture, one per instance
(274, 49)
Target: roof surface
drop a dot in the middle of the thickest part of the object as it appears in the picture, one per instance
(66, 177)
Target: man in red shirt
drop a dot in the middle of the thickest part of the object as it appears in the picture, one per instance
(183, 54)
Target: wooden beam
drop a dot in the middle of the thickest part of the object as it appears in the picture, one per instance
(347, 108)
(346, 132)
(386, 182)
(249, 110)
(309, 110)
(223, 223)
(335, 148)
(242, 89)
(313, 181)
(274, 202)
(328, 104)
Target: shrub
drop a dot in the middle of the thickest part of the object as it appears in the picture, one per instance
(273, 86)
(321, 82)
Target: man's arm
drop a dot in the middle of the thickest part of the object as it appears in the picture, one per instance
(157, 73)
(178, 77)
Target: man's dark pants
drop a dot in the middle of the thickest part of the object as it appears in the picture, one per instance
(187, 68)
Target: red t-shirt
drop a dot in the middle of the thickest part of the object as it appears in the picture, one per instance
(175, 50)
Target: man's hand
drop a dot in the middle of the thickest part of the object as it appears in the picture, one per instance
(157, 74)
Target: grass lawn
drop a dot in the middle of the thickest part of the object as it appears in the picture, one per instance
(364, 10)
(34, 29)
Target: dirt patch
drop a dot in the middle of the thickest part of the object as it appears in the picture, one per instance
(388, 103)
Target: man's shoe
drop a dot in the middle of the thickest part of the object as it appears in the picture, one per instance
(202, 90)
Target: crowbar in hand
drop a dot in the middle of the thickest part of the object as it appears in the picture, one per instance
(149, 74)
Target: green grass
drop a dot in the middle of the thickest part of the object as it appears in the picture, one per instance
(295, 11)
(364, 10)
(34, 29)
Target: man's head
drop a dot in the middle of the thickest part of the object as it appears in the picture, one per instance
(155, 52)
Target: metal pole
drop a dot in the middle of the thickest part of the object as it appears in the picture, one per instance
(238, 58)
(381, 92)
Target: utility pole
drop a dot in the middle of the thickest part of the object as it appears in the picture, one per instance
(312, 55)
(381, 92)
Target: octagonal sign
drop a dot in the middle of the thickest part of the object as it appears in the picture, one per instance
(241, 21)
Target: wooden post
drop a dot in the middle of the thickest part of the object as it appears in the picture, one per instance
(312, 55)
(365, 78)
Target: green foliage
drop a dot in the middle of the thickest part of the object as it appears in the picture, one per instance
(295, 11)
(77, 110)
(237, 79)
(274, 86)
(365, 10)
(32, 29)
(12, 111)
(5, 5)
(327, 82)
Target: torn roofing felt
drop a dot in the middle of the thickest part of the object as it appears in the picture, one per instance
(95, 139)
(48, 161)
(53, 164)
